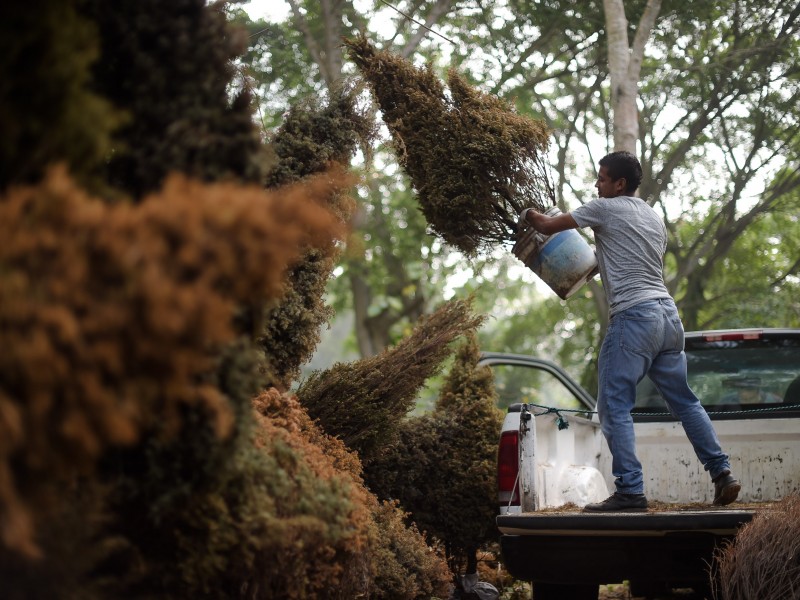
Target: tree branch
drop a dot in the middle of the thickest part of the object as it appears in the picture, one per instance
(311, 42)
(643, 32)
(434, 14)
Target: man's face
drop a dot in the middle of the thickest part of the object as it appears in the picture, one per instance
(607, 187)
(747, 395)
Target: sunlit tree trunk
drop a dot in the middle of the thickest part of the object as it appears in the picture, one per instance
(326, 49)
(625, 64)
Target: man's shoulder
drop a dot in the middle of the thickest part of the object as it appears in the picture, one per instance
(610, 204)
(634, 206)
(630, 201)
(593, 206)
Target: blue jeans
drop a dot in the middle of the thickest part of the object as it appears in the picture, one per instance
(647, 339)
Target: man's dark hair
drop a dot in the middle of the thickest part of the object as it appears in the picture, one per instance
(623, 164)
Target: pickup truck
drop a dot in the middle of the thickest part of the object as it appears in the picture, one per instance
(553, 460)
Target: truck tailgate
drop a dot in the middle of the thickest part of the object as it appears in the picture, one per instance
(589, 548)
(718, 522)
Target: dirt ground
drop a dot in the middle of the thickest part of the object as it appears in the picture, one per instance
(621, 592)
(618, 591)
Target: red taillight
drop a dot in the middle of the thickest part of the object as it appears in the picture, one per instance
(508, 468)
(728, 337)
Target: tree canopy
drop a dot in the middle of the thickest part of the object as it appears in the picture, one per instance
(717, 124)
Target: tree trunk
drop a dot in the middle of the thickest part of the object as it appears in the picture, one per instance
(326, 52)
(625, 64)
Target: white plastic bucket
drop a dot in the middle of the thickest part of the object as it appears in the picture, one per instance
(564, 260)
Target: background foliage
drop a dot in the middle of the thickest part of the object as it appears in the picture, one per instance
(718, 143)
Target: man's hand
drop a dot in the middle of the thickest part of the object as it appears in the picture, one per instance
(544, 223)
(522, 223)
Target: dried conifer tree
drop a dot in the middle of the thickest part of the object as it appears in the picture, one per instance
(763, 561)
(311, 137)
(475, 163)
(48, 111)
(169, 66)
(363, 402)
(118, 315)
(442, 468)
(126, 351)
(362, 548)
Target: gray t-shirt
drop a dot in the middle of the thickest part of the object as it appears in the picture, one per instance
(631, 241)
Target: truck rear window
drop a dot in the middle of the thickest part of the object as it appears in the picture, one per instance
(758, 376)
(515, 384)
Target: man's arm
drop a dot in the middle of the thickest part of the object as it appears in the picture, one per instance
(549, 225)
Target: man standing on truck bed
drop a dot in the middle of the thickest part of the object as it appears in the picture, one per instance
(645, 333)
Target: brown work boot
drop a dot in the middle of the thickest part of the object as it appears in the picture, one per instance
(619, 503)
(726, 488)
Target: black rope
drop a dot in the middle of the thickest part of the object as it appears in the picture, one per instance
(562, 423)
(417, 22)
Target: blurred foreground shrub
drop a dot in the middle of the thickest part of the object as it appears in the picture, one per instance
(48, 110)
(113, 318)
(171, 67)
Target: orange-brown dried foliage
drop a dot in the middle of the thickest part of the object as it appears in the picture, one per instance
(112, 317)
(325, 534)
(284, 411)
